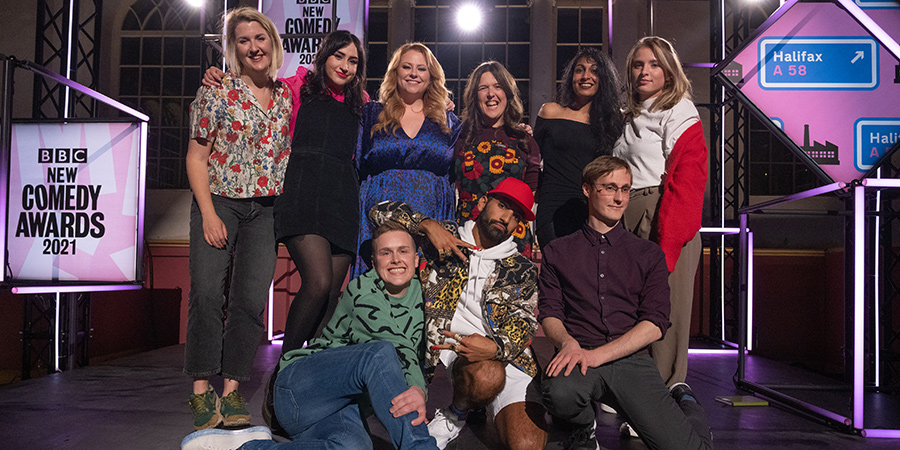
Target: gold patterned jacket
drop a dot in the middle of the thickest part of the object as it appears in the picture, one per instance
(508, 299)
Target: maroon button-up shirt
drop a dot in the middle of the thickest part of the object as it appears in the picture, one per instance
(601, 285)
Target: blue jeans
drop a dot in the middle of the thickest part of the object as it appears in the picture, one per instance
(633, 386)
(226, 344)
(316, 400)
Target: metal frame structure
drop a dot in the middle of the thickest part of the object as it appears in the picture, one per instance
(730, 26)
(861, 251)
(67, 41)
(67, 36)
(887, 344)
(862, 256)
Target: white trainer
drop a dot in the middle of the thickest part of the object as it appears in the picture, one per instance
(219, 439)
(445, 427)
(626, 430)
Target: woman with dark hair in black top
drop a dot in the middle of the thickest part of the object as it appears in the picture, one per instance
(582, 124)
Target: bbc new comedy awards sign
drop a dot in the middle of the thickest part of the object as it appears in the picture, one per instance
(73, 202)
(304, 23)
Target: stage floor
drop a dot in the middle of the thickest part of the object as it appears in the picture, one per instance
(140, 402)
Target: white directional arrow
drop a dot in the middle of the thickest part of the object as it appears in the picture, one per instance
(859, 54)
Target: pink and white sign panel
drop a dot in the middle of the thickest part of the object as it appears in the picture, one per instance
(73, 202)
(309, 21)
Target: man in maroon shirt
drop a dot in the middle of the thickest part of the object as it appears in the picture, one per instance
(604, 298)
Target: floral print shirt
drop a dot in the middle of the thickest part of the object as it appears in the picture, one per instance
(252, 143)
(480, 167)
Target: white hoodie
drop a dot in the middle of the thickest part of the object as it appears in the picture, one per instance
(468, 318)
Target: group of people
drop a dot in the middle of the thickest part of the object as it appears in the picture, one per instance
(349, 184)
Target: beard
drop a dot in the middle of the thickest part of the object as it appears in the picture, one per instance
(487, 229)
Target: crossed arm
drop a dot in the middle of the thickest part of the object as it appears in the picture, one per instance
(571, 354)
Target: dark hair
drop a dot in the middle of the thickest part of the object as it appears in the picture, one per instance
(316, 79)
(602, 166)
(471, 115)
(605, 114)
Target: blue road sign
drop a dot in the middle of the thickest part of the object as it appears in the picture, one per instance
(878, 4)
(821, 63)
(873, 137)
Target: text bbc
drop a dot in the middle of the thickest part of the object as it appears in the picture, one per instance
(62, 155)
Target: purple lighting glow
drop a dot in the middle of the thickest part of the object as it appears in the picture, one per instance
(79, 288)
(712, 351)
(876, 433)
(859, 252)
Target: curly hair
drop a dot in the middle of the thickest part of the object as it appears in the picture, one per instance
(605, 115)
(316, 81)
(434, 100)
(237, 16)
(473, 119)
(677, 85)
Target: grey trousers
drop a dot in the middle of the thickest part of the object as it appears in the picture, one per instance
(223, 338)
(670, 353)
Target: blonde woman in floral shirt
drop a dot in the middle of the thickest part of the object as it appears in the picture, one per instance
(236, 161)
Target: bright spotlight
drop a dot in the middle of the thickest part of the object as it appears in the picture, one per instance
(195, 3)
(468, 18)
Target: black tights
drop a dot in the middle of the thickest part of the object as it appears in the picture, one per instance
(322, 272)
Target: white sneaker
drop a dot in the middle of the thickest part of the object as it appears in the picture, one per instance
(626, 430)
(219, 439)
(607, 409)
(445, 427)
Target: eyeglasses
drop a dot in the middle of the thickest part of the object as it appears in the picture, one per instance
(611, 189)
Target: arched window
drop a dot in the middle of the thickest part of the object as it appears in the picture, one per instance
(505, 36)
(159, 74)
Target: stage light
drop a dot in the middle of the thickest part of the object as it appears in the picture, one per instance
(468, 17)
(195, 3)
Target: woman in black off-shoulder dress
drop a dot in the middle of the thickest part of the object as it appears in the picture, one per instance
(581, 125)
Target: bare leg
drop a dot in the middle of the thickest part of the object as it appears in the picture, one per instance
(521, 426)
(201, 385)
(476, 384)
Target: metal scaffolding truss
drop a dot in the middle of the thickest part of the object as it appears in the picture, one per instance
(67, 41)
(729, 170)
(56, 332)
(886, 346)
(56, 327)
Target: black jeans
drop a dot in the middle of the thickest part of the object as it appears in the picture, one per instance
(640, 395)
(212, 347)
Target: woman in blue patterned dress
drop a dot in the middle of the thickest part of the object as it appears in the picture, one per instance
(406, 146)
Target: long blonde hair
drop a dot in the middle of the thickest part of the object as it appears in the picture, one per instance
(434, 100)
(677, 85)
(237, 16)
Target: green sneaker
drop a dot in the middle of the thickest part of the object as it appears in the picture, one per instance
(205, 408)
(234, 410)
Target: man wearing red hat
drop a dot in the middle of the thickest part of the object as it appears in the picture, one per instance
(480, 297)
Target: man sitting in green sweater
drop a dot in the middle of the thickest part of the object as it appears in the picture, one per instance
(370, 350)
